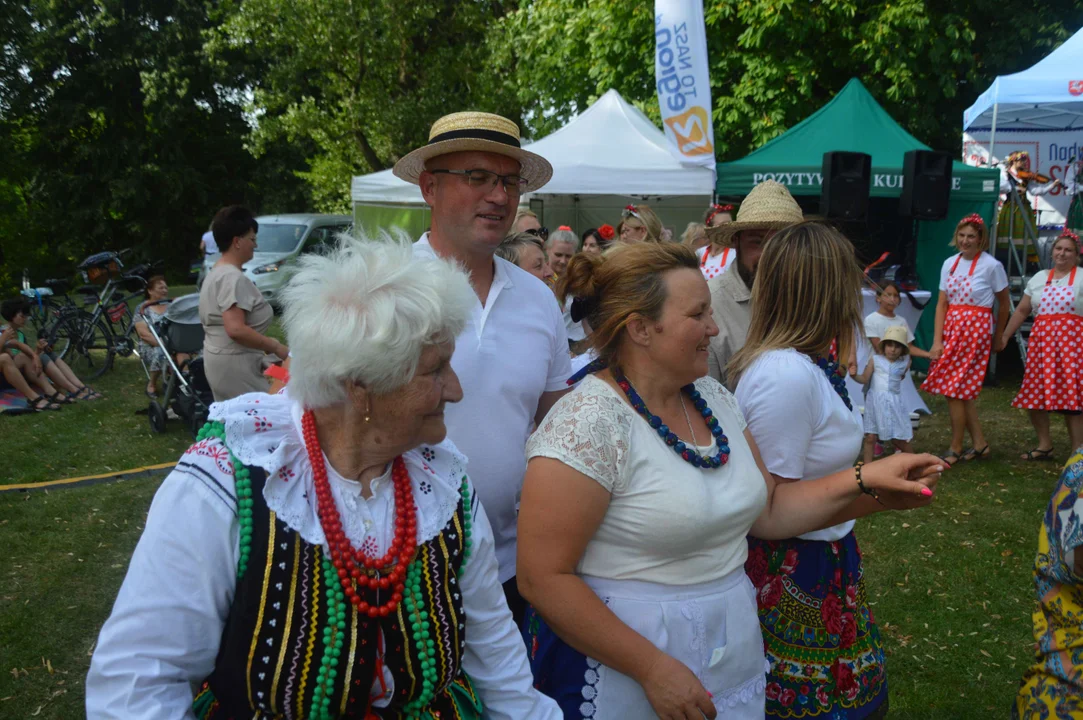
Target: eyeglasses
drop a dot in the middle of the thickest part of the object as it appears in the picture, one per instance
(541, 232)
(479, 179)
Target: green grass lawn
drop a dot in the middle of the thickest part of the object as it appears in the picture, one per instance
(951, 584)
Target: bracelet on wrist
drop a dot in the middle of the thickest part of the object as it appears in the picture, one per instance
(861, 483)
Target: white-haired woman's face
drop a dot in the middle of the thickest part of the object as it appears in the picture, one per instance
(413, 414)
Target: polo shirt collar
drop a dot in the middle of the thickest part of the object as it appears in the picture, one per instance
(501, 276)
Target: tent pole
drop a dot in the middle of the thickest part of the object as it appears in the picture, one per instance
(992, 146)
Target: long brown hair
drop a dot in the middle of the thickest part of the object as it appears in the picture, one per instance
(807, 293)
(626, 282)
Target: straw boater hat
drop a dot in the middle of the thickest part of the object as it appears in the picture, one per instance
(769, 206)
(478, 131)
(896, 333)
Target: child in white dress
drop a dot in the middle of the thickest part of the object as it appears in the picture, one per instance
(885, 416)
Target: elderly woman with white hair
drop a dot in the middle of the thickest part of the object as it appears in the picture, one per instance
(321, 553)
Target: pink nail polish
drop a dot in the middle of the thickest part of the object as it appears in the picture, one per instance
(927, 492)
(710, 695)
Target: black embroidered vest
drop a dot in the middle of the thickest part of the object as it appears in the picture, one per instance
(276, 636)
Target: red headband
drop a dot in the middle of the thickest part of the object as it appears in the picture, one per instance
(564, 227)
(1071, 236)
(973, 218)
(716, 209)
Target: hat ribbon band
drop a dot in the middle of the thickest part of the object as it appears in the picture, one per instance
(476, 134)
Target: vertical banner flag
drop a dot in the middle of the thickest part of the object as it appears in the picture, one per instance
(684, 87)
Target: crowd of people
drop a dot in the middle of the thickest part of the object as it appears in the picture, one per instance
(516, 473)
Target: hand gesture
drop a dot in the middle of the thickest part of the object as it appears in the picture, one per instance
(1000, 344)
(936, 351)
(904, 480)
(43, 345)
(675, 693)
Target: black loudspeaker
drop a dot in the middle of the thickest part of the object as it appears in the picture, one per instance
(844, 192)
(926, 185)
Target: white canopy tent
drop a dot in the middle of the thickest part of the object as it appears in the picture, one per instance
(1040, 111)
(603, 159)
(1046, 96)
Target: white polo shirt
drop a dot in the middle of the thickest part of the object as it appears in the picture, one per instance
(512, 350)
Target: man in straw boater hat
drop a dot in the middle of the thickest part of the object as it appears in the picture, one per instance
(512, 358)
(769, 207)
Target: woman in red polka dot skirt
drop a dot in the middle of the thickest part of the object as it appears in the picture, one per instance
(969, 282)
(1054, 370)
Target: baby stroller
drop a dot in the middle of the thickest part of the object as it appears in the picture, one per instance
(185, 390)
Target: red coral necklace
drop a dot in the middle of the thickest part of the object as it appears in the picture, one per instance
(356, 570)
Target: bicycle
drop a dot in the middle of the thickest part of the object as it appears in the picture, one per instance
(48, 303)
(97, 336)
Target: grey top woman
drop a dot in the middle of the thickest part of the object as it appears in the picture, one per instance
(234, 314)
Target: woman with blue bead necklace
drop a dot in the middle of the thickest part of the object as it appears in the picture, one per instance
(641, 487)
(823, 645)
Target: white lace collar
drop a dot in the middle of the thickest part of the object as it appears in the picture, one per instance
(265, 431)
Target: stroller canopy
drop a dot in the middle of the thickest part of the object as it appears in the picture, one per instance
(184, 310)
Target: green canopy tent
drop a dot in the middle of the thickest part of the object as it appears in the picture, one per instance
(853, 121)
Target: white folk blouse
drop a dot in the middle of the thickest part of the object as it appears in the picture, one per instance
(161, 640)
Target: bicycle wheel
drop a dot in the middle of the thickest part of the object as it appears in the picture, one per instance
(90, 350)
(60, 340)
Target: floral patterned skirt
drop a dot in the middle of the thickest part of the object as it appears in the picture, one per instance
(819, 634)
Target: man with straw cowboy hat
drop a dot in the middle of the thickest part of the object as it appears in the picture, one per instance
(769, 207)
(512, 358)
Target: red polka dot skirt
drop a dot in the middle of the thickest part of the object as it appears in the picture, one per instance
(1054, 371)
(968, 341)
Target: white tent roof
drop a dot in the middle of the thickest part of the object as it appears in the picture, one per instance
(1047, 96)
(609, 149)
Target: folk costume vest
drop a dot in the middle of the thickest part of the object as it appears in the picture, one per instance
(295, 647)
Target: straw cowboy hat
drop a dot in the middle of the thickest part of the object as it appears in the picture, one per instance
(477, 131)
(769, 206)
(896, 333)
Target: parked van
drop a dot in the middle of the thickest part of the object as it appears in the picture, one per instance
(280, 239)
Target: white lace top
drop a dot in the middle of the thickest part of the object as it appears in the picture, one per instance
(667, 522)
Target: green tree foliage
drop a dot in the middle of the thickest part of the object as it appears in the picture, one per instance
(120, 133)
(360, 80)
(128, 122)
(773, 62)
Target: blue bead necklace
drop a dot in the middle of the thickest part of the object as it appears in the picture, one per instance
(831, 370)
(688, 454)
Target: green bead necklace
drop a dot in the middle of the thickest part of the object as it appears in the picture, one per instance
(334, 633)
(242, 479)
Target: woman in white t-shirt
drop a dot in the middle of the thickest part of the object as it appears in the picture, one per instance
(823, 645)
(1053, 377)
(641, 487)
(964, 336)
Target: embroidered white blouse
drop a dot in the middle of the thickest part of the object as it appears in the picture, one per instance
(161, 640)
